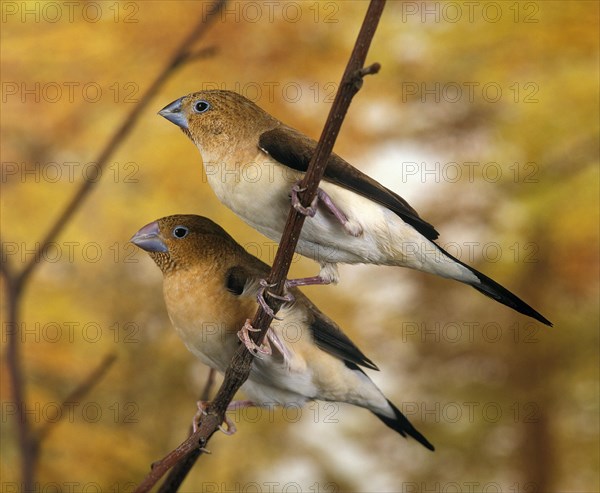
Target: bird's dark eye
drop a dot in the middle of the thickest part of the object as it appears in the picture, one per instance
(201, 106)
(180, 232)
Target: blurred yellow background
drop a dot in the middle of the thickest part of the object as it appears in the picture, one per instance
(484, 117)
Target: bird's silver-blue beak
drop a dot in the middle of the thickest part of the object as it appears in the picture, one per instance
(174, 113)
(148, 238)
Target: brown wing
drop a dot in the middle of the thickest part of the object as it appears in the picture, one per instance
(294, 150)
(330, 338)
(326, 334)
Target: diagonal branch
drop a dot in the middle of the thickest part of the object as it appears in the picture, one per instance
(6, 269)
(183, 467)
(16, 281)
(239, 368)
(349, 86)
(15, 375)
(181, 55)
(83, 388)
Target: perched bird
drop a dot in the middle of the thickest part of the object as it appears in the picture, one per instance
(210, 289)
(253, 163)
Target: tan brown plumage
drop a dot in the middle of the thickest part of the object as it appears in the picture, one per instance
(252, 161)
(210, 288)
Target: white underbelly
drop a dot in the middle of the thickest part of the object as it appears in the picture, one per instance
(262, 200)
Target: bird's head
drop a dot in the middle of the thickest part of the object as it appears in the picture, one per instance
(216, 118)
(186, 242)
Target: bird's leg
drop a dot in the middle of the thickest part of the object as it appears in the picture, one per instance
(244, 336)
(352, 228)
(235, 405)
(328, 275)
(306, 281)
(279, 345)
(262, 302)
(231, 428)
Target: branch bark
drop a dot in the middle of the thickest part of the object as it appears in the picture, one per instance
(16, 378)
(183, 467)
(239, 368)
(83, 388)
(181, 55)
(15, 282)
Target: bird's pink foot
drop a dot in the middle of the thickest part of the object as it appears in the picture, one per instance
(309, 211)
(262, 302)
(351, 227)
(231, 428)
(244, 336)
(264, 348)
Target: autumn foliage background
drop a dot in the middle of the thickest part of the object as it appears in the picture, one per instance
(485, 118)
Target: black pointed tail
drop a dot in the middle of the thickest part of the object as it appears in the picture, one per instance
(402, 425)
(492, 289)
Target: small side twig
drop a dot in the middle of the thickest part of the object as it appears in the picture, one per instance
(239, 368)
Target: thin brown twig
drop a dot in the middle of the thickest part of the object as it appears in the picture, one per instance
(180, 471)
(6, 270)
(181, 55)
(16, 378)
(15, 282)
(78, 392)
(202, 53)
(239, 368)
